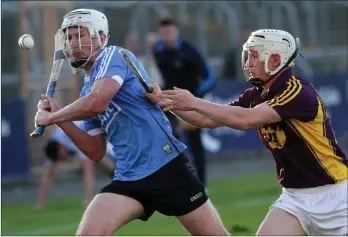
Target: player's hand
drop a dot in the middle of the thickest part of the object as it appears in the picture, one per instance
(48, 103)
(155, 95)
(42, 118)
(177, 99)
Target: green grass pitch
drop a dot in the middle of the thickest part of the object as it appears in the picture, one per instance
(242, 203)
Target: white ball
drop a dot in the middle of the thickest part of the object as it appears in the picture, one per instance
(26, 41)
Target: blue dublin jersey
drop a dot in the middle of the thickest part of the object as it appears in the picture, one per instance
(140, 133)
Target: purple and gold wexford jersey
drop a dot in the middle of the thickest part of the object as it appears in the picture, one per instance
(303, 143)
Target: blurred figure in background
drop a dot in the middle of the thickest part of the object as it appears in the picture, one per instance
(229, 68)
(183, 66)
(133, 44)
(57, 150)
(231, 63)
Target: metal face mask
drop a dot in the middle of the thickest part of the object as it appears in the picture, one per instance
(78, 44)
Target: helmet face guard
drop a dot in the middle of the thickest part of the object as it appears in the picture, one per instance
(76, 48)
(251, 71)
(263, 51)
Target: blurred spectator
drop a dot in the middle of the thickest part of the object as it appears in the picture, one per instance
(57, 149)
(183, 66)
(231, 66)
(132, 43)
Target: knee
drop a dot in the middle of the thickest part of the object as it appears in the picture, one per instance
(90, 230)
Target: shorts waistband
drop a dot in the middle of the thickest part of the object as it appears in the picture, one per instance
(320, 189)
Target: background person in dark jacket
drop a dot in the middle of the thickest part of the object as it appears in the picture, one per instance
(181, 65)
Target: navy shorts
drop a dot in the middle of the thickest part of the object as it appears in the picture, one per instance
(173, 190)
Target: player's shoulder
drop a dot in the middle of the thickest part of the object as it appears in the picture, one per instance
(299, 88)
(109, 52)
(108, 57)
(295, 90)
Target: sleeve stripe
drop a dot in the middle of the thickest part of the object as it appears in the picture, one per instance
(103, 60)
(289, 94)
(285, 92)
(292, 94)
(95, 131)
(105, 67)
(118, 79)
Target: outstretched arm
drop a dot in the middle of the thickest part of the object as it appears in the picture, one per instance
(190, 117)
(196, 119)
(235, 116)
(231, 116)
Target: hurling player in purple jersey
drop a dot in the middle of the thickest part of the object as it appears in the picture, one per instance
(291, 121)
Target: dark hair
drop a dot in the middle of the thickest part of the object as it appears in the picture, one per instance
(166, 22)
(52, 150)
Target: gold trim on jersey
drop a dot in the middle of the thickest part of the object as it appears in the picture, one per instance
(313, 134)
(293, 89)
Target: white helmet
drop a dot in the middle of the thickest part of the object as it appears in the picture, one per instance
(267, 42)
(95, 22)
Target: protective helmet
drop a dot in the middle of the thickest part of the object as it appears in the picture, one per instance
(267, 42)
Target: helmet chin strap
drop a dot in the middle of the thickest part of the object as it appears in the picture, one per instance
(80, 63)
(258, 82)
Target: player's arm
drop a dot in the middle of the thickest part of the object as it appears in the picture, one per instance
(106, 84)
(95, 102)
(202, 121)
(235, 116)
(190, 117)
(92, 145)
(196, 119)
(292, 103)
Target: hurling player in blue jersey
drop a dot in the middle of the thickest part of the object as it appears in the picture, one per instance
(152, 173)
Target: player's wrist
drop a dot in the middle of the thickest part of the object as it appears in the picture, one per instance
(195, 103)
(51, 118)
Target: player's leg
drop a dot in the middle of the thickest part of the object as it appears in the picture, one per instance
(113, 207)
(203, 221)
(89, 180)
(198, 153)
(88, 176)
(51, 151)
(180, 193)
(287, 216)
(280, 222)
(46, 182)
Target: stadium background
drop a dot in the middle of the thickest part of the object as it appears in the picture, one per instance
(241, 173)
